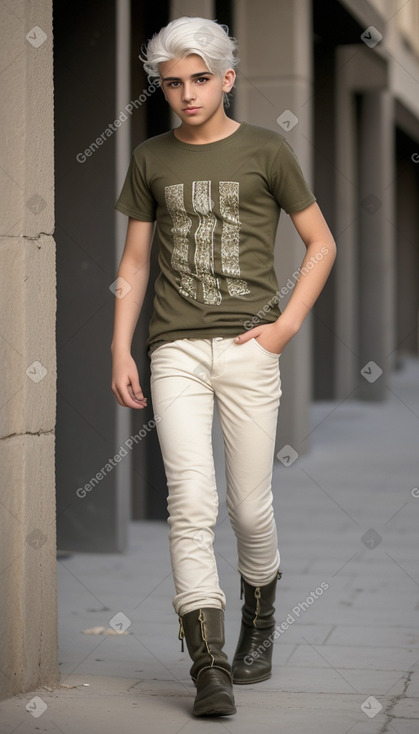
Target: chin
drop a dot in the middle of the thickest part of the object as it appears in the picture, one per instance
(194, 119)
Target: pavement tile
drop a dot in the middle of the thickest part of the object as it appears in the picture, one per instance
(407, 708)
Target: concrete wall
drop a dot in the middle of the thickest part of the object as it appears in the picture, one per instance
(28, 608)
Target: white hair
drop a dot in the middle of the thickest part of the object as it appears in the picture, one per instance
(185, 36)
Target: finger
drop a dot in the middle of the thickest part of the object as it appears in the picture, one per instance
(132, 402)
(135, 391)
(137, 397)
(245, 336)
(124, 398)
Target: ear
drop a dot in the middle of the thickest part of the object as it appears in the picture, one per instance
(228, 80)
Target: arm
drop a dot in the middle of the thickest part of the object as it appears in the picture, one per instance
(134, 268)
(320, 250)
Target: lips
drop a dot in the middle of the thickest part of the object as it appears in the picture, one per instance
(189, 109)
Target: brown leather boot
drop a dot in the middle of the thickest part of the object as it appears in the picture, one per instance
(203, 630)
(252, 661)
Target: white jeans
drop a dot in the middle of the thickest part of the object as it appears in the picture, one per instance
(186, 374)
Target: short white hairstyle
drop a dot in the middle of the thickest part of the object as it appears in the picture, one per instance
(185, 36)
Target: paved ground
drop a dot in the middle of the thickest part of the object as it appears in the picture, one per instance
(347, 516)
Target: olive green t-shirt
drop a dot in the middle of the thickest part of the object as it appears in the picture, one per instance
(216, 207)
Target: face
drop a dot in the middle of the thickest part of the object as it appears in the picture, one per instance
(187, 83)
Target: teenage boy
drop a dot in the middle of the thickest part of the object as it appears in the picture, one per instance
(215, 188)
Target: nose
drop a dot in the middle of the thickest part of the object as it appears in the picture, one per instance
(188, 92)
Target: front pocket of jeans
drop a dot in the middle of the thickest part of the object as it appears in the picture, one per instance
(265, 351)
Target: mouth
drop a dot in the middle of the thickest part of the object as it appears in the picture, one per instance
(191, 109)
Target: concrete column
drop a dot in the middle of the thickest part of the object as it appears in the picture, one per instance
(28, 605)
(274, 75)
(377, 265)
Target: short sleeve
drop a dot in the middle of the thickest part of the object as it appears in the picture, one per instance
(289, 186)
(135, 198)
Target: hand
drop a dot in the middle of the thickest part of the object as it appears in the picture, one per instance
(125, 382)
(273, 337)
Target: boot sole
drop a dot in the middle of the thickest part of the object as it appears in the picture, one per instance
(210, 707)
(224, 706)
(217, 712)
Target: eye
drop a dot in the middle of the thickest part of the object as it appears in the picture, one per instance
(202, 78)
(170, 84)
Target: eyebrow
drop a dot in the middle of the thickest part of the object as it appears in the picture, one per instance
(178, 79)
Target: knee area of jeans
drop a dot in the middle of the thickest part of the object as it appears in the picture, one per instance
(250, 524)
(192, 510)
(183, 515)
(200, 507)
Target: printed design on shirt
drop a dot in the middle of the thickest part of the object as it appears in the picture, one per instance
(181, 227)
(230, 237)
(204, 240)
